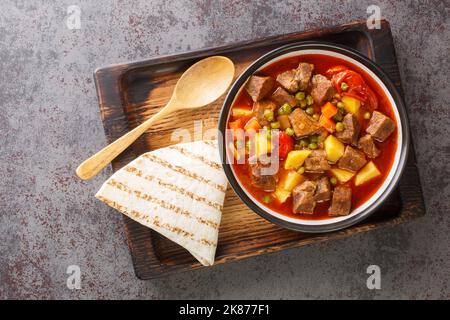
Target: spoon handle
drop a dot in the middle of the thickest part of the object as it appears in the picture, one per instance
(93, 165)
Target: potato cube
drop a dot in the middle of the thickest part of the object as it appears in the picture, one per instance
(292, 179)
(368, 172)
(351, 104)
(342, 175)
(281, 195)
(334, 148)
(241, 112)
(296, 158)
(263, 145)
(286, 184)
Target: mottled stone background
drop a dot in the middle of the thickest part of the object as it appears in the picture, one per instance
(50, 121)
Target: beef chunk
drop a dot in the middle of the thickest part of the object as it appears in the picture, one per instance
(302, 124)
(351, 130)
(322, 89)
(341, 202)
(380, 126)
(367, 145)
(317, 161)
(259, 179)
(303, 75)
(323, 191)
(288, 81)
(259, 87)
(259, 108)
(352, 159)
(281, 96)
(303, 197)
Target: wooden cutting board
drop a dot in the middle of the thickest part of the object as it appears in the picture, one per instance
(130, 93)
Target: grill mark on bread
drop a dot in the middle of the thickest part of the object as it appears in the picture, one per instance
(188, 153)
(210, 143)
(173, 187)
(141, 216)
(183, 171)
(163, 204)
(173, 229)
(119, 207)
(206, 242)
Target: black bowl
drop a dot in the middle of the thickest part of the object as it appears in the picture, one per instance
(389, 184)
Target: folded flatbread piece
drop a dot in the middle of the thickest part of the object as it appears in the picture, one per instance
(177, 191)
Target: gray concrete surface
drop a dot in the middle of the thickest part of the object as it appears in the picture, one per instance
(50, 121)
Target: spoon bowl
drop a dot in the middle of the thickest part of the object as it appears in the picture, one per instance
(204, 82)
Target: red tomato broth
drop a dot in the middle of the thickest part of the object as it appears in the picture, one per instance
(384, 161)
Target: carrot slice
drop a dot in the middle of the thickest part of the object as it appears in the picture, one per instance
(329, 110)
(236, 127)
(284, 122)
(237, 124)
(252, 124)
(328, 124)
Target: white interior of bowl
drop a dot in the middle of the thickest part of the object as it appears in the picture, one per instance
(394, 167)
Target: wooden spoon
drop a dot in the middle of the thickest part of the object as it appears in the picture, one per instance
(201, 84)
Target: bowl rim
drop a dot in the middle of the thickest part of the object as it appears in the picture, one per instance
(403, 149)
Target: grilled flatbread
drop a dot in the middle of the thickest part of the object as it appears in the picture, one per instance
(177, 191)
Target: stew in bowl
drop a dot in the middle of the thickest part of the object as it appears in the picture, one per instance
(314, 137)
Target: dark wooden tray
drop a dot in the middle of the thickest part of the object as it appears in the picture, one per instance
(132, 92)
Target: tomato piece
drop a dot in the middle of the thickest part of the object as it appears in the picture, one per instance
(357, 88)
(354, 79)
(236, 126)
(350, 77)
(353, 94)
(372, 99)
(335, 69)
(337, 79)
(285, 144)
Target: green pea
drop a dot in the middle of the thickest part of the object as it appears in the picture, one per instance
(300, 96)
(367, 115)
(337, 96)
(339, 126)
(304, 143)
(312, 146)
(267, 199)
(275, 125)
(297, 146)
(314, 139)
(287, 108)
(290, 132)
(303, 104)
(309, 100)
(340, 105)
(333, 181)
(301, 170)
(269, 134)
(344, 86)
(281, 111)
(338, 117)
(268, 114)
(310, 111)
